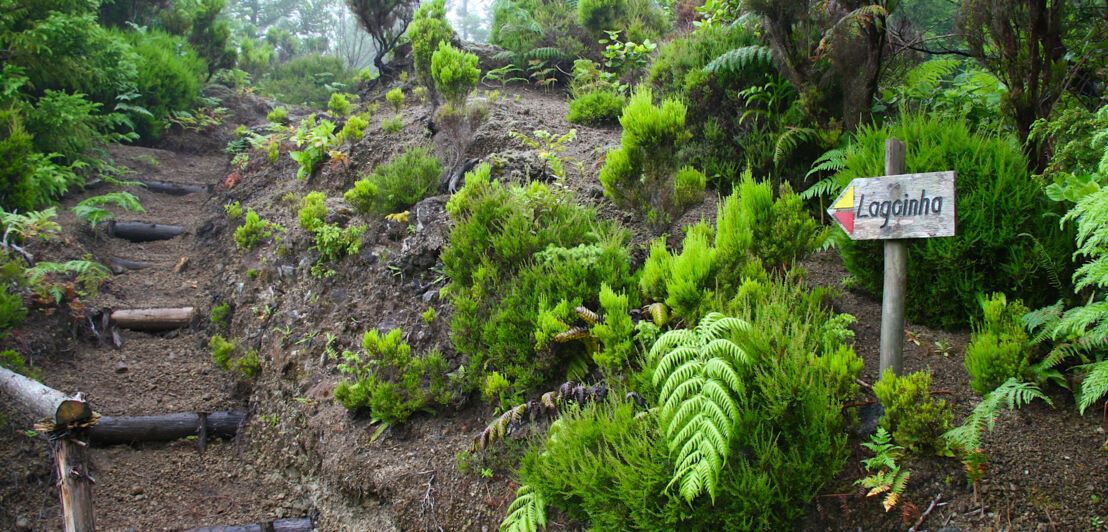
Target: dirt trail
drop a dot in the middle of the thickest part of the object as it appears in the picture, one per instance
(154, 486)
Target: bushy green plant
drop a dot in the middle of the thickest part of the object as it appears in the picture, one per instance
(233, 210)
(1000, 347)
(14, 361)
(1000, 224)
(885, 478)
(753, 231)
(916, 420)
(388, 379)
(307, 80)
(455, 73)
(613, 467)
(339, 104)
(12, 312)
(392, 125)
(354, 128)
(599, 107)
(600, 15)
(428, 29)
(639, 174)
(316, 141)
(396, 98)
(279, 115)
(517, 252)
(223, 351)
(169, 76)
(221, 314)
(332, 242)
(398, 184)
(254, 229)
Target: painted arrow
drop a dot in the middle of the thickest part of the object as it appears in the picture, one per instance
(842, 209)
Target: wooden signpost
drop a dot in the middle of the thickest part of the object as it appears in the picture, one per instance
(893, 208)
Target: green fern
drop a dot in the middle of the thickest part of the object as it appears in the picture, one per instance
(545, 54)
(697, 372)
(88, 273)
(831, 161)
(1013, 394)
(34, 224)
(526, 513)
(887, 477)
(737, 60)
(927, 76)
(789, 140)
(1094, 386)
(90, 210)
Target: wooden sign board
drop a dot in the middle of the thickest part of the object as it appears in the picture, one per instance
(897, 206)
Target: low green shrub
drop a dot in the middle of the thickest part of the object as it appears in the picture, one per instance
(223, 351)
(354, 128)
(169, 77)
(1000, 347)
(916, 420)
(254, 229)
(1000, 220)
(398, 184)
(307, 80)
(600, 107)
(389, 380)
(428, 29)
(613, 467)
(13, 361)
(392, 125)
(332, 242)
(316, 140)
(221, 315)
(339, 104)
(396, 98)
(514, 253)
(279, 115)
(12, 312)
(455, 73)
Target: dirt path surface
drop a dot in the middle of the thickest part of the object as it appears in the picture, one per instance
(300, 454)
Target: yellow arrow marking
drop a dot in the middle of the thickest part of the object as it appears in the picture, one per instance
(846, 200)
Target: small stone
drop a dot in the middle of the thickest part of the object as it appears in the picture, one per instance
(121, 367)
(136, 490)
(23, 524)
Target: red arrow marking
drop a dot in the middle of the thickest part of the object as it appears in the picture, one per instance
(846, 219)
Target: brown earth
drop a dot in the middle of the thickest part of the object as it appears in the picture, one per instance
(301, 455)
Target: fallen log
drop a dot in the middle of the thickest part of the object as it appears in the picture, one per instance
(173, 189)
(40, 401)
(142, 231)
(119, 265)
(300, 524)
(153, 319)
(110, 430)
(74, 484)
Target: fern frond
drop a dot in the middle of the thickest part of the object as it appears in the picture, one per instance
(1012, 393)
(670, 340)
(926, 76)
(659, 313)
(527, 513)
(545, 54)
(674, 359)
(735, 61)
(1094, 386)
(832, 160)
(790, 139)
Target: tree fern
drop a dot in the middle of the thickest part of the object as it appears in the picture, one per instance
(696, 372)
(526, 513)
(926, 76)
(1094, 386)
(737, 60)
(1012, 394)
(90, 210)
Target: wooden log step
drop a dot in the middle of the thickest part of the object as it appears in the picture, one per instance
(143, 231)
(299, 524)
(40, 401)
(111, 430)
(173, 189)
(120, 265)
(153, 319)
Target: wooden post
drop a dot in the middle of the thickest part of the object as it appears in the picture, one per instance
(896, 278)
(74, 484)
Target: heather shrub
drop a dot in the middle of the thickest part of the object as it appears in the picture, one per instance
(389, 379)
(455, 73)
(427, 31)
(1003, 243)
(307, 80)
(1000, 347)
(599, 107)
(514, 253)
(398, 184)
(169, 76)
(915, 419)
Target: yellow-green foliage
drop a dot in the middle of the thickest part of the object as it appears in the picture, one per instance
(222, 351)
(1000, 347)
(916, 420)
(14, 362)
(332, 242)
(455, 73)
(616, 332)
(279, 115)
(428, 29)
(398, 184)
(392, 125)
(254, 229)
(221, 315)
(354, 128)
(514, 254)
(596, 107)
(388, 379)
(639, 174)
(396, 98)
(339, 104)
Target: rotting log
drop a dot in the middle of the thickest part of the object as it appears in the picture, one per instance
(74, 484)
(299, 524)
(109, 430)
(143, 231)
(40, 401)
(153, 319)
(173, 189)
(119, 265)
